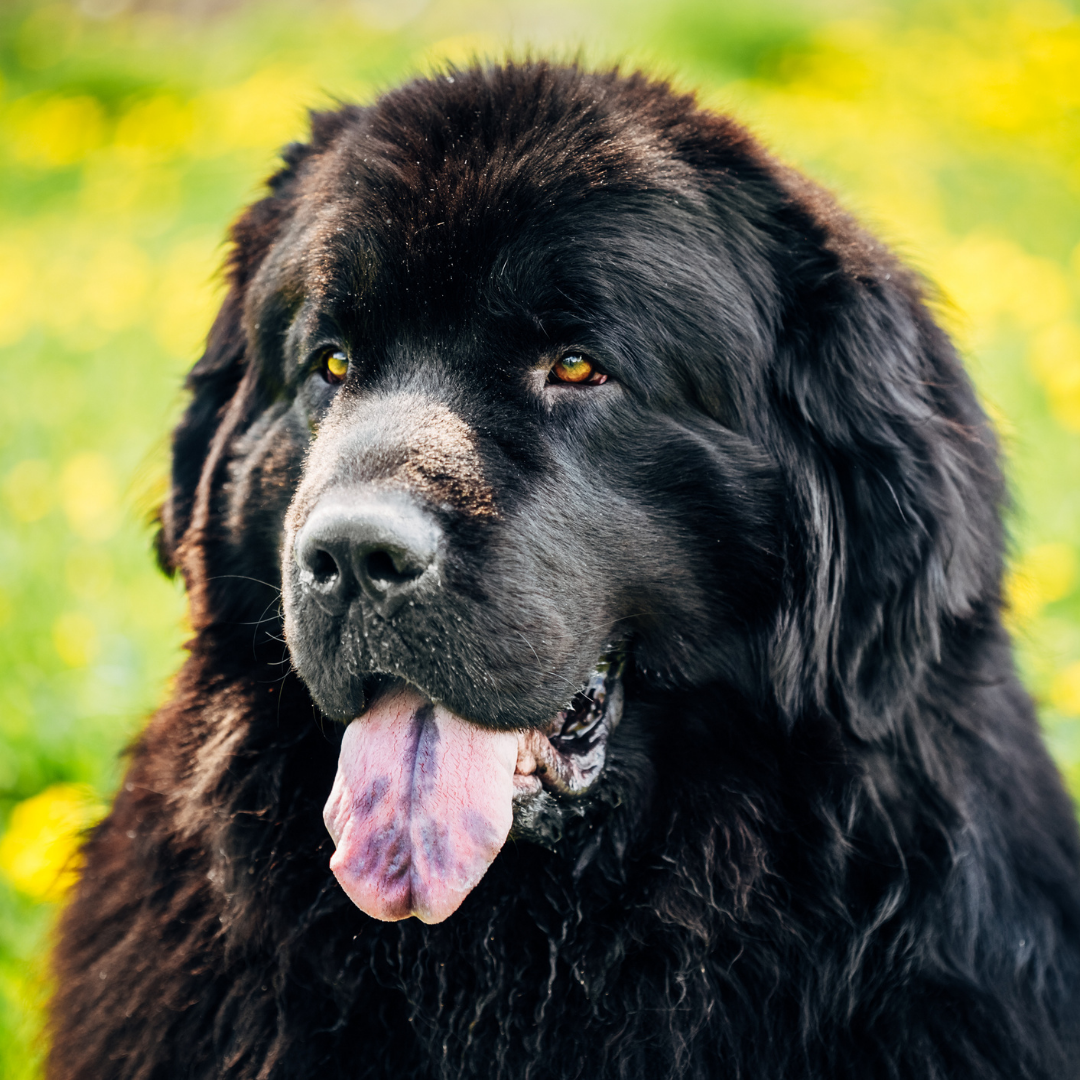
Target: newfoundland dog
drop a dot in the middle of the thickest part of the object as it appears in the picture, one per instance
(594, 552)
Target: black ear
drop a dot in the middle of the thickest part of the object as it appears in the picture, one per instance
(215, 379)
(894, 491)
(212, 383)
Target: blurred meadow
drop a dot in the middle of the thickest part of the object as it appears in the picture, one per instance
(132, 132)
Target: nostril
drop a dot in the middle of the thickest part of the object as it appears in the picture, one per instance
(323, 566)
(381, 566)
(375, 543)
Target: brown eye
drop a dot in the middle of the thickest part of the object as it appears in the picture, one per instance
(577, 368)
(335, 367)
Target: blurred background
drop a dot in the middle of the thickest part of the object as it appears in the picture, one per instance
(132, 131)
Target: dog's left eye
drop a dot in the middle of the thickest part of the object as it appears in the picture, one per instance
(577, 369)
(334, 367)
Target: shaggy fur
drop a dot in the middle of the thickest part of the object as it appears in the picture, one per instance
(828, 841)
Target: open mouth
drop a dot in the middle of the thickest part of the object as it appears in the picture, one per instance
(569, 755)
(424, 800)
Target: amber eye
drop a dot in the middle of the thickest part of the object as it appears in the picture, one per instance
(335, 366)
(577, 368)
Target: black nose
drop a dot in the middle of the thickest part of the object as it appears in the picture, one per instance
(381, 542)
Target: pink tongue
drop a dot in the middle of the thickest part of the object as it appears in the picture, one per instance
(421, 805)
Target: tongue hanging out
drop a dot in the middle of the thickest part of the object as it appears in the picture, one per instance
(421, 805)
(424, 800)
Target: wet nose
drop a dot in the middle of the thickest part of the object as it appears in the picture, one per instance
(383, 543)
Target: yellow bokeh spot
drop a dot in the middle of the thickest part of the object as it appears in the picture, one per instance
(38, 852)
(1042, 575)
(991, 278)
(89, 572)
(161, 126)
(28, 490)
(116, 281)
(89, 496)
(1054, 358)
(122, 179)
(839, 65)
(1065, 690)
(63, 273)
(187, 295)
(75, 638)
(262, 113)
(57, 131)
(17, 292)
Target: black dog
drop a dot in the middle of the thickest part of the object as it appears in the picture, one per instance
(631, 498)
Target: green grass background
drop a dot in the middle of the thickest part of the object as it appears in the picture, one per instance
(131, 133)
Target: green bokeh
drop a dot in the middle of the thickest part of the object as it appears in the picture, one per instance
(131, 133)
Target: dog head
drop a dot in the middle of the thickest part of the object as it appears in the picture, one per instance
(534, 389)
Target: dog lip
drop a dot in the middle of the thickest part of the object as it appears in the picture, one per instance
(575, 725)
(568, 755)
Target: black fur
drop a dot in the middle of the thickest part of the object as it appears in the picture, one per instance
(828, 841)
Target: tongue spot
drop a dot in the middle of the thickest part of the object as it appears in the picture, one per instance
(421, 804)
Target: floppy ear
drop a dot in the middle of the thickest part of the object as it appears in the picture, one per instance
(212, 382)
(894, 491)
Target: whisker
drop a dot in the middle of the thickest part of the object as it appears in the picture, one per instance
(281, 694)
(262, 619)
(245, 577)
(539, 666)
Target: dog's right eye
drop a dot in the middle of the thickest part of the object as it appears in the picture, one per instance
(576, 369)
(334, 366)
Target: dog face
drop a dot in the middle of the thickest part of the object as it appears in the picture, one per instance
(510, 479)
(526, 390)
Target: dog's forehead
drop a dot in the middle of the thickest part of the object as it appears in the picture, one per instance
(442, 150)
(437, 180)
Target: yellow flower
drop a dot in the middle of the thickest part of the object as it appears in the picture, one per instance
(1065, 690)
(1055, 360)
(56, 131)
(39, 851)
(1042, 575)
(89, 494)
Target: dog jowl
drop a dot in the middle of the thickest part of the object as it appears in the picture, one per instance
(594, 551)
